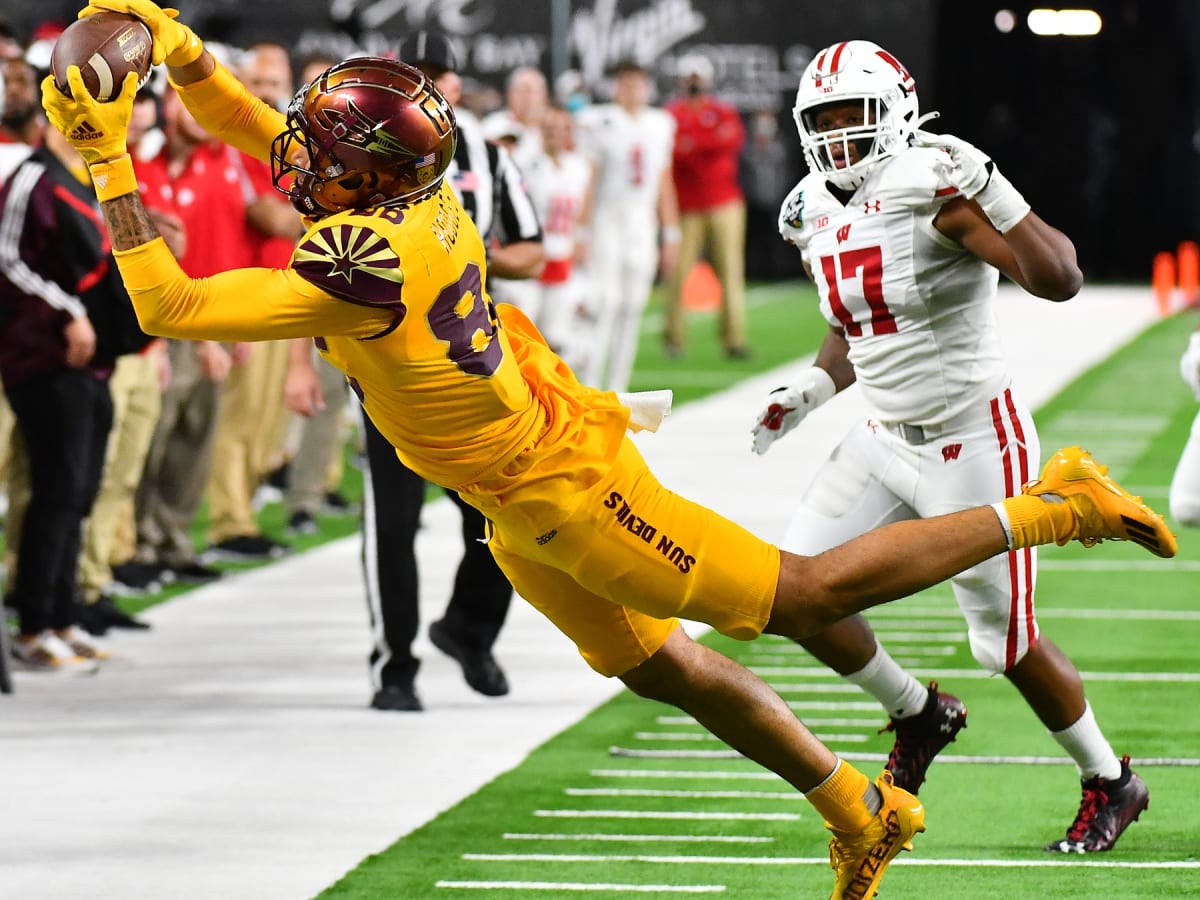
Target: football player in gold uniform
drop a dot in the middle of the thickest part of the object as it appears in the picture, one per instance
(388, 281)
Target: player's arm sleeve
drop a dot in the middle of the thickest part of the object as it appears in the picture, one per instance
(227, 110)
(239, 305)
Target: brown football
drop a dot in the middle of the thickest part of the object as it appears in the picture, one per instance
(106, 47)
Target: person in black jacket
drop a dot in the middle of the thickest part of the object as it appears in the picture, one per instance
(64, 319)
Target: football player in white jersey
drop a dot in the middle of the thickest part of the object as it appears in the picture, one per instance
(629, 144)
(557, 179)
(1185, 484)
(905, 233)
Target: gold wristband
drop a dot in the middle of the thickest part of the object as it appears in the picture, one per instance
(113, 178)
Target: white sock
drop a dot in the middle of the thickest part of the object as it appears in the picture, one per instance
(901, 694)
(1086, 744)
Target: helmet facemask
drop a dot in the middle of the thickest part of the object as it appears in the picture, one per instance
(855, 72)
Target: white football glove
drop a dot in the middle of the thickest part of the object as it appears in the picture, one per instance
(1189, 365)
(787, 407)
(977, 178)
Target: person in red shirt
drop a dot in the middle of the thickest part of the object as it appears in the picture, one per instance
(712, 208)
(205, 184)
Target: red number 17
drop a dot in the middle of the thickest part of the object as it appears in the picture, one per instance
(849, 264)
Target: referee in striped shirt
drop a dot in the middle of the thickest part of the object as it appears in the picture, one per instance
(489, 186)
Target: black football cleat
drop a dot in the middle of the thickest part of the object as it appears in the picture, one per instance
(479, 667)
(1107, 809)
(921, 737)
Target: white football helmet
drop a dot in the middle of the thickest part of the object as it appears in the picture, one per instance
(855, 71)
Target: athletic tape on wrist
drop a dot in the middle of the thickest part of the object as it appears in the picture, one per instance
(1002, 203)
(113, 178)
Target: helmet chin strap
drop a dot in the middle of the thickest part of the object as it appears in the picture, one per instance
(928, 117)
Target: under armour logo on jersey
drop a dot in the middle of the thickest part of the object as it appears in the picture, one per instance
(843, 233)
(951, 451)
(871, 206)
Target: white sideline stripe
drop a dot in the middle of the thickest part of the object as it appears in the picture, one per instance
(686, 773)
(975, 674)
(581, 886)
(950, 612)
(691, 795)
(646, 838)
(824, 861)
(664, 814)
(852, 756)
(706, 736)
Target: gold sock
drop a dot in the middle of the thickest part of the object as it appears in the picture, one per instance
(1035, 520)
(839, 798)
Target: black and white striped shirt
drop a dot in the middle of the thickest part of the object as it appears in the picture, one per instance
(488, 185)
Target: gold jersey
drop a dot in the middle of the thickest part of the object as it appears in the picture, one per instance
(395, 299)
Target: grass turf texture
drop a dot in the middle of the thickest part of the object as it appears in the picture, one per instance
(984, 818)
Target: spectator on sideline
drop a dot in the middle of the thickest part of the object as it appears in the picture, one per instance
(67, 317)
(712, 208)
(200, 181)
(106, 565)
(1185, 483)
(477, 401)
(252, 422)
(558, 181)
(526, 99)
(634, 217)
(767, 177)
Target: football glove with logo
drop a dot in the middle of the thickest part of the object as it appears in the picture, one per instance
(174, 43)
(97, 130)
(1189, 365)
(977, 178)
(787, 406)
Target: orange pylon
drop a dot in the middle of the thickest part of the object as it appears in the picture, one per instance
(1163, 280)
(701, 288)
(1188, 271)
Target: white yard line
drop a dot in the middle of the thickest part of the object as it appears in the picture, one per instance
(644, 838)
(1185, 762)
(824, 860)
(582, 887)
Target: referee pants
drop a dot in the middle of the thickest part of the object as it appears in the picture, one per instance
(392, 502)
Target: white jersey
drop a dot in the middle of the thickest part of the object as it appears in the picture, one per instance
(630, 153)
(915, 306)
(557, 188)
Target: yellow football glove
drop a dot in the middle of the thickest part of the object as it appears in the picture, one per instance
(97, 130)
(174, 43)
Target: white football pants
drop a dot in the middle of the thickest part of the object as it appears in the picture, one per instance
(1185, 484)
(875, 477)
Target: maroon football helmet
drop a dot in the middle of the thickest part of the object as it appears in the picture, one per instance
(368, 132)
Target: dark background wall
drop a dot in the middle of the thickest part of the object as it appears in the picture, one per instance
(1101, 134)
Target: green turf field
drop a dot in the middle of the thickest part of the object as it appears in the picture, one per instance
(637, 799)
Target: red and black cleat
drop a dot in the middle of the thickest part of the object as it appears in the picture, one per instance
(921, 737)
(1107, 809)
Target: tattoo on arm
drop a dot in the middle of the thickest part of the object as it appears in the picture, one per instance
(129, 225)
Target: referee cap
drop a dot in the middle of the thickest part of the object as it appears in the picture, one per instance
(429, 49)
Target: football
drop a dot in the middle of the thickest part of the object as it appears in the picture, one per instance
(106, 47)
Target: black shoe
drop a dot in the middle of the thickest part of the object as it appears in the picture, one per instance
(194, 572)
(247, 548)
(278, 477)
(921, 737)
(479, 667)
(109, 615)
(302, 523)
(336, 504)
(137, 577)
(1107, 809)
(397, 697)
(737, 352)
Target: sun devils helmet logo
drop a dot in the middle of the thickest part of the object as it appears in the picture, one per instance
(368, 132)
